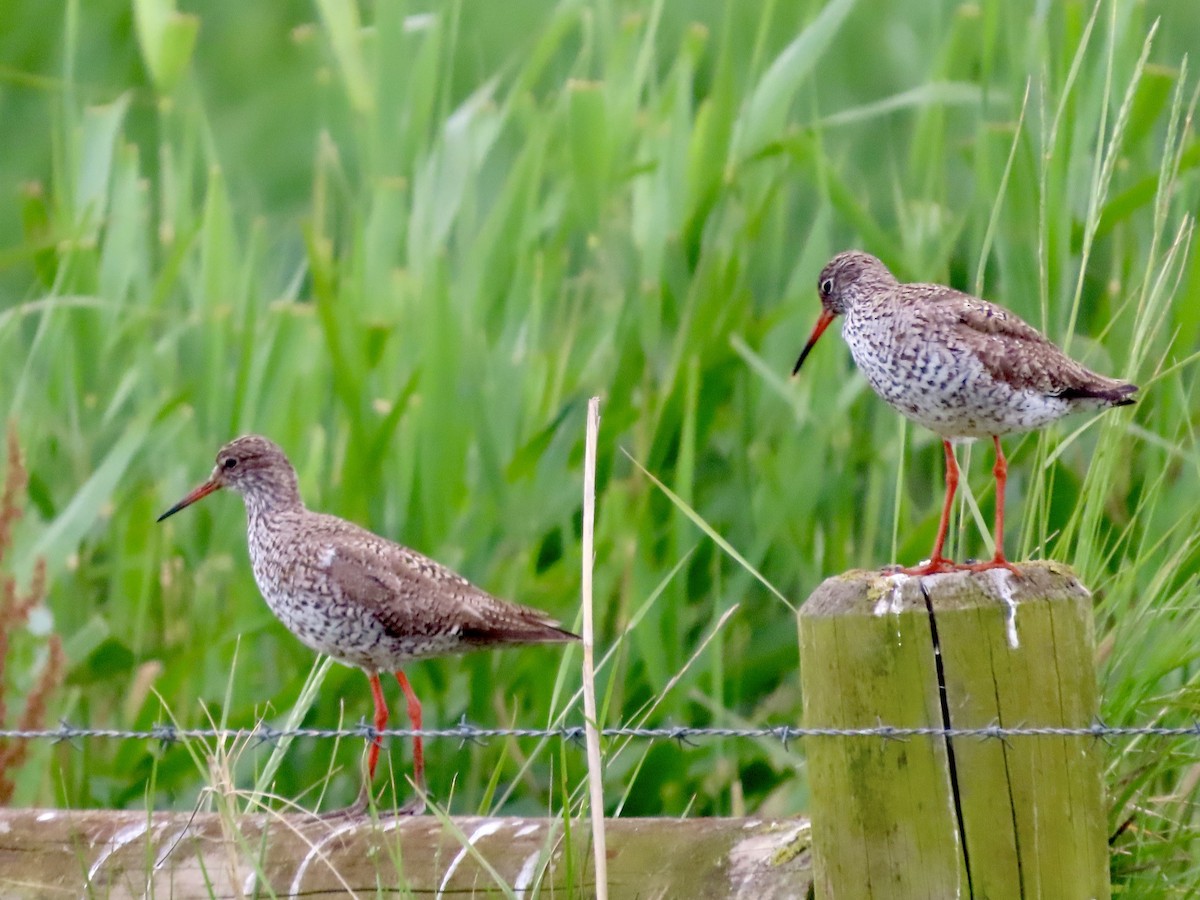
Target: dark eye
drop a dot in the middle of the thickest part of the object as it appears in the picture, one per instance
(827, 286)
(228, 462)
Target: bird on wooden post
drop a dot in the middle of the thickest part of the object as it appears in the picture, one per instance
(958, 365)
(358, 597)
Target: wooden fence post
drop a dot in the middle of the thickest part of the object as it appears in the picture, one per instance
(931, 816)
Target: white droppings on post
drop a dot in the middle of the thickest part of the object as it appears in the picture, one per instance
(526, 830)
(1004, 588)
(525, 876)
(892, 601)
(490, 827)
(122, 837)
(48, 816)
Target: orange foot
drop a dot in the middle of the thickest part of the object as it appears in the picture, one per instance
(996, 562)
(940, 564)
(933, 566)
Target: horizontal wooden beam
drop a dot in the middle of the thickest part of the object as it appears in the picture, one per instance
(116, 854)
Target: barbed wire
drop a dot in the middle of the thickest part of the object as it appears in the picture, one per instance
(464, 731)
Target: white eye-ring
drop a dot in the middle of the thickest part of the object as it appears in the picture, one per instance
(827, 286)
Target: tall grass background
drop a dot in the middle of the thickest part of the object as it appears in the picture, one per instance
(408, 241)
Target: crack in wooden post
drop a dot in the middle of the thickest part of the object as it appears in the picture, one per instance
(948, 723)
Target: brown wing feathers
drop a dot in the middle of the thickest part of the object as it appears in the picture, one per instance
(411, 595)
(1045, 368)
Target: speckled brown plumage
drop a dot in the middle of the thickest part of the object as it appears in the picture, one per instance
(362, 599)
(961, 366)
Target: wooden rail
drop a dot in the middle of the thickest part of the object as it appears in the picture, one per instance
(960, 816)
(110, 854)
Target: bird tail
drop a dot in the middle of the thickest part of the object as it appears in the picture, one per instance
(539, 631)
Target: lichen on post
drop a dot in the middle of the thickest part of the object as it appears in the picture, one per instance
(932, 815)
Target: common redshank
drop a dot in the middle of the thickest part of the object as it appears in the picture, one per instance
(961, 366)
(362, 599)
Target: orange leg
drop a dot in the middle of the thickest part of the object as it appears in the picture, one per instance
(937, 562)
(414, 717)
(1000, 470)
(362, 804)
(381, 720)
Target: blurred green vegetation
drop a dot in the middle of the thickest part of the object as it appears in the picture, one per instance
(408, 241)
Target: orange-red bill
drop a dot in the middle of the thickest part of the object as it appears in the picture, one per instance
(203, 491)
(822, 324)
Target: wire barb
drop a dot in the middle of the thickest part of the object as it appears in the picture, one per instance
(575, 734)
(63, 734)
(995, 732)
(888, 732)
(470, 734)
(165, 734)
(266, 734)
(1102, 732)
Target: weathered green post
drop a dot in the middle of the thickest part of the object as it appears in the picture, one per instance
(967, 816)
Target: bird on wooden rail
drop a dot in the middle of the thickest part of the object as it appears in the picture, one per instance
(961, 366)
(360, 598)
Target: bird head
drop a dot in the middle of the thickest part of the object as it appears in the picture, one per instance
(844, 280)
(252, 465)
